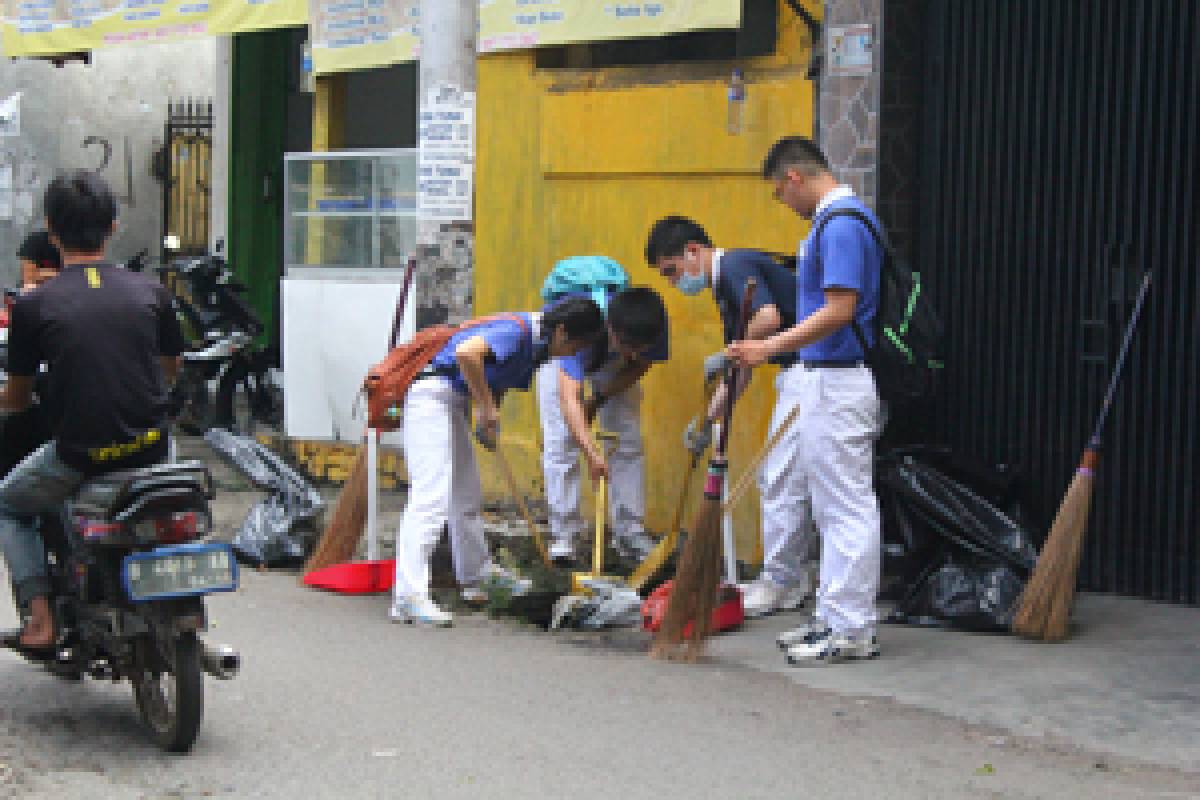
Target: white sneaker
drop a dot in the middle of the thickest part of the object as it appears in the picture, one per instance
(764, 596)
(421, 610)
(473, 595)
(562, 550)
(799, 633)
(634, 546)
(827, 647)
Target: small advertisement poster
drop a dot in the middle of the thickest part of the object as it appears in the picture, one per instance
(446, 164)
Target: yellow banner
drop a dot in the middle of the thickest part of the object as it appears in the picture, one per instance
(518, 24)
(362, 34)
(346, 34)
(50, 27)
(242, 16)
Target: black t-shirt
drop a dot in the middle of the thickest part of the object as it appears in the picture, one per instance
(776, 286)
(101, 329)
(38, 248)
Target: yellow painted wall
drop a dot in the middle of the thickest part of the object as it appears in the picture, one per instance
(576, 162)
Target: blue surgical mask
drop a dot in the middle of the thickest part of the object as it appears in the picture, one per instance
(691, 284)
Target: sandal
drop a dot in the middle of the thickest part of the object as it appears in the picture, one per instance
(12, 640)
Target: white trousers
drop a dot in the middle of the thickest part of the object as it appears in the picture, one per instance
(560, 460)
(821, 472)
(443, 488)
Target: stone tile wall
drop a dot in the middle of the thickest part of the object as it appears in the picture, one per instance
(849, 106)
(444, 276)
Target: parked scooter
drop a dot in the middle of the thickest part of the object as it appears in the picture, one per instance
(129, 569)
(224, 327)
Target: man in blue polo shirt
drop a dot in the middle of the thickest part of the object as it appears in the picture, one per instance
(637, 339)
(682, 252)
(841, 416)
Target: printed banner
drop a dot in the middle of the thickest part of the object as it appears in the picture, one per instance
(51, 27)
(243, 16)
(361, 34)
(346, 34)
(517, 24)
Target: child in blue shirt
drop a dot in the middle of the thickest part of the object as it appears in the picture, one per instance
(479, 364)
(637, 338)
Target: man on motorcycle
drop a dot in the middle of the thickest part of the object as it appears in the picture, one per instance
(112, 343)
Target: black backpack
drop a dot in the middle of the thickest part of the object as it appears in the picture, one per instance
(906, 358)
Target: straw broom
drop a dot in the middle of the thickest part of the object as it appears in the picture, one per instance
(698, 576)
(1044, 608)
(340, 537)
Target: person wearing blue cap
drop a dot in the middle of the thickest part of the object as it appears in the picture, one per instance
(637, 338)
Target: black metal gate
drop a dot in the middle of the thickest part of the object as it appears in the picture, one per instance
(185, 169)
(1062, 140)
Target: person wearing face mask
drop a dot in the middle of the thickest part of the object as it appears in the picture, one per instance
(637, 339)
(682, 252)
(475, 368)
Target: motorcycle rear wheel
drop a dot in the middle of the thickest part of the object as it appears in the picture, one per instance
(168, 689)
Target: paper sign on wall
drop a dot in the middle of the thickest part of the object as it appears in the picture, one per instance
(10, 116)
(446, 165)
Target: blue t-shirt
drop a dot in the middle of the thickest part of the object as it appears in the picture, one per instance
(585, 363)
(512, 362)
(776, 286)
(850, 258)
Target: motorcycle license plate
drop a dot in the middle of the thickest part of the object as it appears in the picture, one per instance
(180, 571)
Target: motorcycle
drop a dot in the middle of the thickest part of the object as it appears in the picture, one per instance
(211, 304)
(129, 569)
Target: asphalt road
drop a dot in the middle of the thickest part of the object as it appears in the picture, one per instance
(336, 702)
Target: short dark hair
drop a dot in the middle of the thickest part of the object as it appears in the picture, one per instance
(637, 316)
(794, 152)
(579, 316)
(670, 236)
(80, 211)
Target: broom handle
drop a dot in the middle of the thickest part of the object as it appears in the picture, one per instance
(1094, 444)
(402, 305)
(743, 483)
(507, 472)
(735, 374)
(677, 520)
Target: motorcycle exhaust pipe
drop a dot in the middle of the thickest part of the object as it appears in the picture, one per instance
(223, 662)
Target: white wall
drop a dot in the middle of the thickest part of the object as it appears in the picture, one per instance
(121, 96)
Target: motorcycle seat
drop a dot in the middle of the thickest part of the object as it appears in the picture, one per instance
(105, 496)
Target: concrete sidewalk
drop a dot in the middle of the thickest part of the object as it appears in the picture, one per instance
(1127, 682)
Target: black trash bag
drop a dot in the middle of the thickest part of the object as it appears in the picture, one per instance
(280, 529)
(962, 595)
(957, 559)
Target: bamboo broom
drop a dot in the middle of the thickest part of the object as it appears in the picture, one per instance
(1044, 608)
(698, 577)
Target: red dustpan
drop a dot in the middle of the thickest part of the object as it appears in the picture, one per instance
(354, 577)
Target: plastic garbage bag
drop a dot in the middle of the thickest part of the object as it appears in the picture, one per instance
(610, 605)
(961, 560)
(278, 529)
(266, 535)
